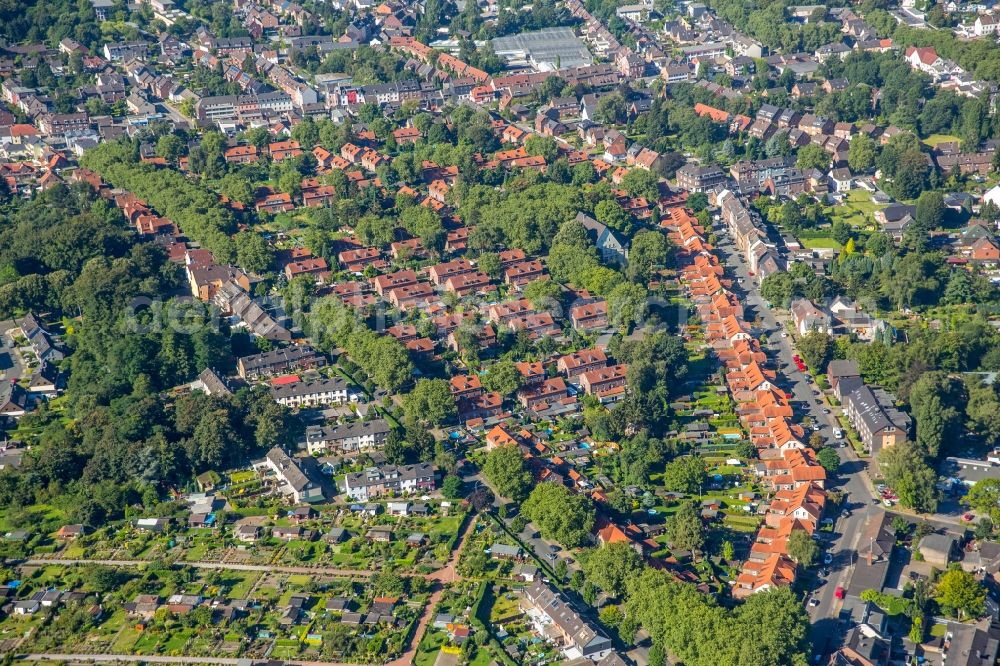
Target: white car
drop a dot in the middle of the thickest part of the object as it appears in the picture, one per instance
(814, 602)
(784, 334)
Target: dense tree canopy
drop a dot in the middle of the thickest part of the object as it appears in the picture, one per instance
(507, 473)
(560, 514)
(769, 629)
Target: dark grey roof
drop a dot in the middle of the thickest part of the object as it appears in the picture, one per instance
(308, 388)
(843, 368)
(214, 383)
(377, 475)
(345, 431)
(937, 543)
(289, 469)
(584, 635)
(878, 537)
(974, 645)
(868, 409)
(277, 357)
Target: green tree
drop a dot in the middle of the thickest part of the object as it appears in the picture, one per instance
(560, 514)
(451, 487)
(489, 263)
(611, 616)
(545, 146)
(426, 225)
(430, 402)
(841, 232)
(778, 289)
(252, 252)
(642, 183)
(985, 497)
(910, 476)
(374, 230)
(861, 153)
(697, 201)
(503, 377)
(685, 530)
(813, 157)
(802, 548)
(611, 566)
(829, 459)
(912, 175)
(650, 251)
(959, 590)
(936, 400)
(685, 475)
(170, 147)
(611, 213)
(627, 306)
(388, 584)
(543, 294)
(930, 210)
(815, 348)
(507, 473)
(583, 174)
(611, 109)
(768, 629)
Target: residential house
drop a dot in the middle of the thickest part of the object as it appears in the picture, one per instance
(695, 178)
(878, 422)
(589, 316)
(399, 480)
(347, 438)
(296, 479)
(332, 391)
(608, 384)
(612, 246)
(585, 360)
(278, 361)
(807, 317)
(555, 618)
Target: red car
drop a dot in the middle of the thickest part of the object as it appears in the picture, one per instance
(839, 592)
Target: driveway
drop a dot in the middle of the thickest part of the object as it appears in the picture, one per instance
(11, 367)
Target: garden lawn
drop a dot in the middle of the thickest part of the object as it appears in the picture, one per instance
(857, 210)
(825, 243)
(934, 139)
(740, 523)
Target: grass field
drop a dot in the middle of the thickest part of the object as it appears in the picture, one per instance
(820, 243)
(935, 139)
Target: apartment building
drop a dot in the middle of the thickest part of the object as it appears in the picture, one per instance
(390, 479)
(346, 438)
(312, 393)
